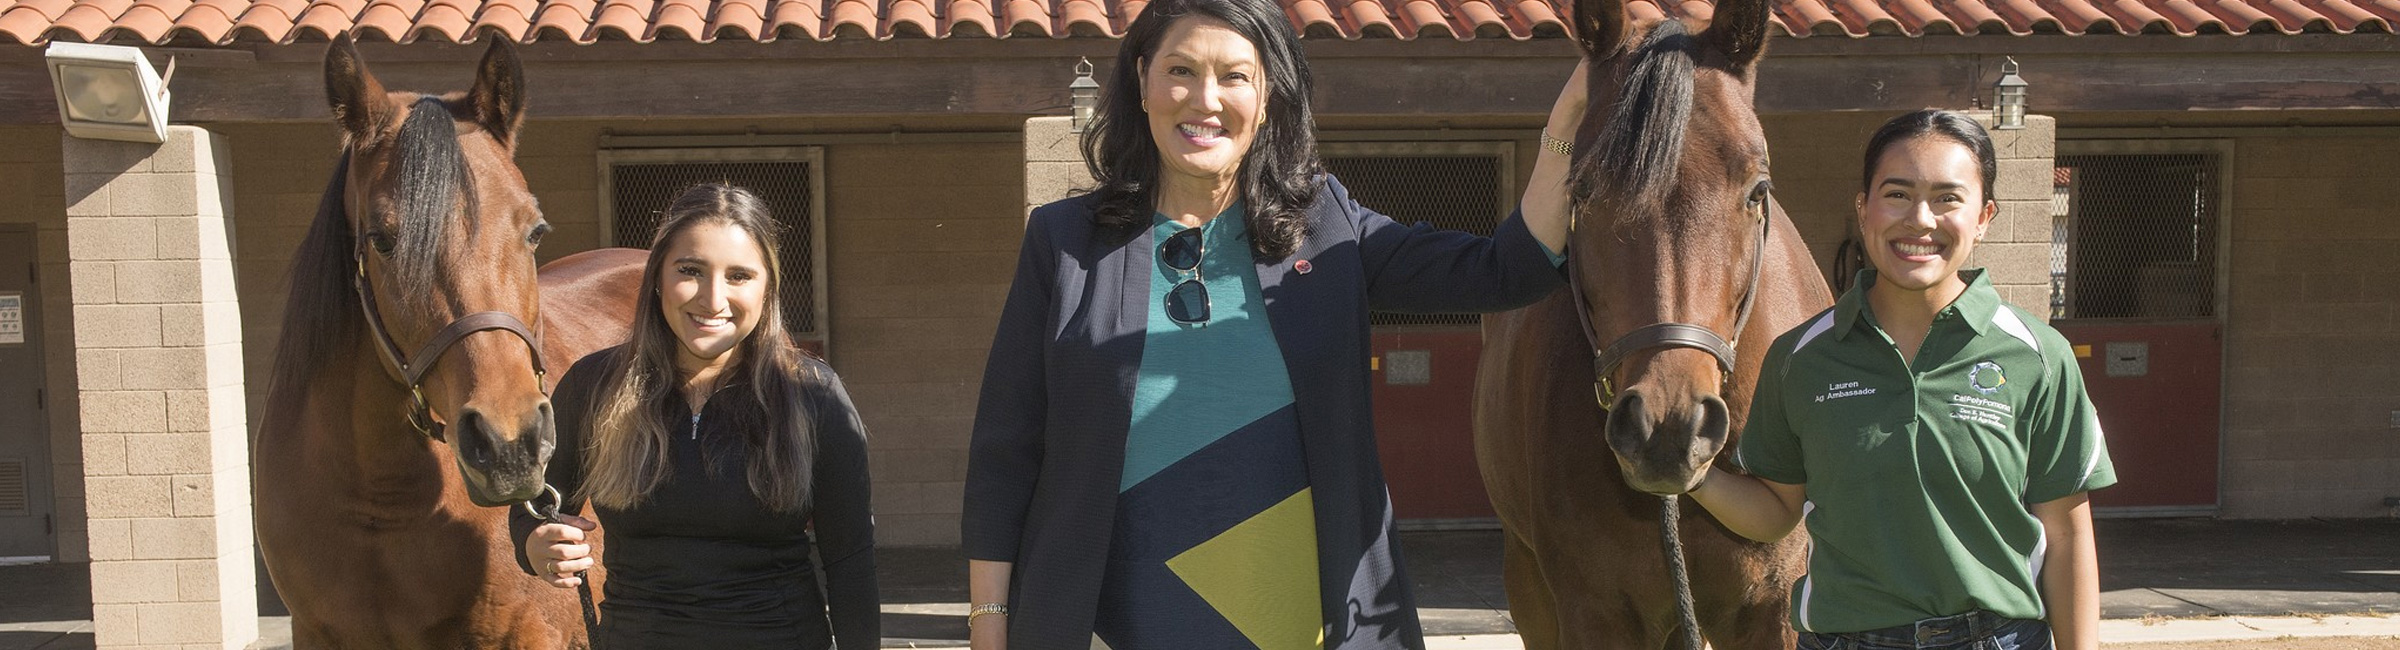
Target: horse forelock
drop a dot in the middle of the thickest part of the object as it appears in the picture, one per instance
(1634, 159)
(431, 183)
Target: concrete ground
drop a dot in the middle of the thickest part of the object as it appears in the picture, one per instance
(2387, 643)
(2168, 584)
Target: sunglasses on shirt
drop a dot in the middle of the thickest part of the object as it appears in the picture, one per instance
(1187, 303)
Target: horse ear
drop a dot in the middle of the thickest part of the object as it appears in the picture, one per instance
(356, 98)
(1739, 30)
(499, 95)
(1601, 26)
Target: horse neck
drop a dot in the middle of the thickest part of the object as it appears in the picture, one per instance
(1790, 287)
(396, 469)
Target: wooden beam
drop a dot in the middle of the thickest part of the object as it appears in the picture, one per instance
(2068, 83)
(1366, 78)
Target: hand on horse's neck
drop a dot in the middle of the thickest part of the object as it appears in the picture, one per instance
(1907, 316)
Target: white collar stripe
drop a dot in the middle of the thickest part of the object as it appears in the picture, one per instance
(1820, 326)
(2007, 320)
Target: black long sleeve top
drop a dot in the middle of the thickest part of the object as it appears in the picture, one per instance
(701, 562)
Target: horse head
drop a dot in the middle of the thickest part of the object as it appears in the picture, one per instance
(1671, 202)
(443, 231)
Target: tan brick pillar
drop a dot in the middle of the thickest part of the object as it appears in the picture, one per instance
(158, 363)
(1053, 161)
(2016, 249)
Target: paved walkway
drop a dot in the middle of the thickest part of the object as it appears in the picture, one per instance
(2162, 580)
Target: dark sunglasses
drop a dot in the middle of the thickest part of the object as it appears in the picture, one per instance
(1188, 302)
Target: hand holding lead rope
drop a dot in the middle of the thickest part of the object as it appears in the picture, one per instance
(559, 555)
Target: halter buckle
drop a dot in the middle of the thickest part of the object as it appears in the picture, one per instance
(420, 414)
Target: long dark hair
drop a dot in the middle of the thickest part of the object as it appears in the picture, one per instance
(1949, 125)
(628, 448)
(1279, 175)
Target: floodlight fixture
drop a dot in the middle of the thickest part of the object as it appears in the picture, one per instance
(109, 92)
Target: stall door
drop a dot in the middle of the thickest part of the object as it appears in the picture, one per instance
(1424, 364)
(25, 508)
(2135, 259)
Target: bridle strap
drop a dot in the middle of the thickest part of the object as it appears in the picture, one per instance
(1605, 360)
(395, 364)
(1665, 335)
(450, 335)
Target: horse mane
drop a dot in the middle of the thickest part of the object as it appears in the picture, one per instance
(319, 313)
(1635, 156)
(321, 318)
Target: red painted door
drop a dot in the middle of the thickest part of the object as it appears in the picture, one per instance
(1424, 393)
(2156, 385)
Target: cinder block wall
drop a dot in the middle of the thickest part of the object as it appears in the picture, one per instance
(922, 240)
(32, 191)
(2312, 335)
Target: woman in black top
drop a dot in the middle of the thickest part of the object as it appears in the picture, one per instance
(713, 447)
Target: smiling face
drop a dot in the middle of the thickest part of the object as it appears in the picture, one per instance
(1922, 213)
(712, 292)
(1205, 92)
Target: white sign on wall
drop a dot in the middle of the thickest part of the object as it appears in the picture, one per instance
(12, 317)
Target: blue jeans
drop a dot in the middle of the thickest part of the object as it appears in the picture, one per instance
(1978, 630)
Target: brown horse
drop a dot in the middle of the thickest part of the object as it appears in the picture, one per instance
(1685, 269)
(377, 470)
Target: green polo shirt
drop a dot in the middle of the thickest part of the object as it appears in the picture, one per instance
(1920, 476)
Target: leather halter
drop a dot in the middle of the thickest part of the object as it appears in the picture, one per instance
(1667, 334)
(410, 370)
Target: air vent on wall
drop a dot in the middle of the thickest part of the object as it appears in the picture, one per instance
(15, 496)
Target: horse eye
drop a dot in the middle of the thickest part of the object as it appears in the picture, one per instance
(1758, 194)
(382, 243)
(535, 237)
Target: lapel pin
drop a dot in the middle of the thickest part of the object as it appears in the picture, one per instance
(1302, 266)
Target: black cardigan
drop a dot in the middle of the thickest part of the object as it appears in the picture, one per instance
(1049, 439)
(702, 563)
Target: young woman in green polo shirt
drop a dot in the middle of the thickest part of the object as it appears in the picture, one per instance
(1936, 439)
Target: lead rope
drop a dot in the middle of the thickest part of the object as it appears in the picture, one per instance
(1687, 620)
(583, 585)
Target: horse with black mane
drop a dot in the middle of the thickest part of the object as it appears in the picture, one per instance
(1633, 382)
(409, 400)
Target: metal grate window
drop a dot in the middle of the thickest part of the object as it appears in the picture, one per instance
(1452, 185)
(2135, 235)
(16, 498)
(640, 184)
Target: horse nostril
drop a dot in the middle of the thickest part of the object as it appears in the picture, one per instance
(474, 439)
(1716, 423)
(540, 436)
(1628, 422)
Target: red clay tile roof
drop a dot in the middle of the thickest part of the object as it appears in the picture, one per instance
(33, 22)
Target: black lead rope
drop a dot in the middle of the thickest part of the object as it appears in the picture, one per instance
(1670, 513)
(583, 585)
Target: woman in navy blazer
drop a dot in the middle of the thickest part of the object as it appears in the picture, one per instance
(1174, 447)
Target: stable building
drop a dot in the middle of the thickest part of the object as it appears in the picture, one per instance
(2194, 202)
